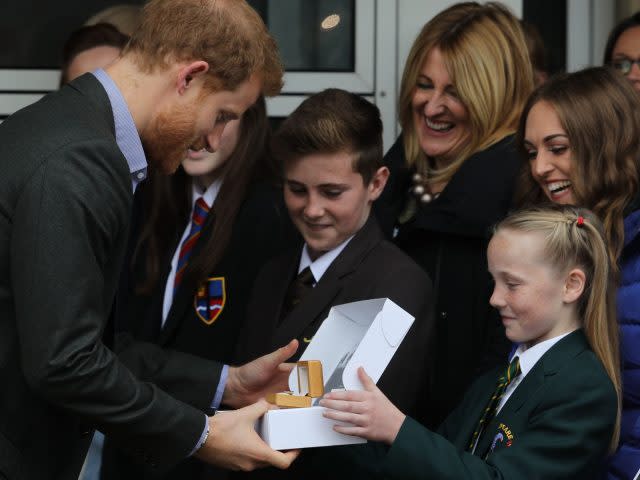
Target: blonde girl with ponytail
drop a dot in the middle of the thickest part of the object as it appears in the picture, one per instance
(554, 411)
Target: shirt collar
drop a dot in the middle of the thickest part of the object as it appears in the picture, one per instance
(323, 262)
(210, 194)
(530, 356)
(127, 136)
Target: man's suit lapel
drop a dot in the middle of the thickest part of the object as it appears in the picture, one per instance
(330, 285)
(184, 296)
(552, 361)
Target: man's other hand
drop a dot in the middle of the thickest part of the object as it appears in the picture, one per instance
(233, 442)
(254, 380)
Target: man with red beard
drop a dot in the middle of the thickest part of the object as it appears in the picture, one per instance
(69, 165)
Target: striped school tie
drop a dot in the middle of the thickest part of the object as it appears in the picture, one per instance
(200, 211)
(513, 370)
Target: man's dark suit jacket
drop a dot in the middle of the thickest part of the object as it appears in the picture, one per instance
(557, 424)
(65, 198)
(369, 267)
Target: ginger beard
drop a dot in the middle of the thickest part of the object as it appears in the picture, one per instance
(170, 135)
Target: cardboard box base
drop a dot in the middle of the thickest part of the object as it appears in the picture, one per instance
(365, 333)
(301, 428)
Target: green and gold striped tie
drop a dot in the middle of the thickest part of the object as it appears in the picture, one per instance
(513, 370)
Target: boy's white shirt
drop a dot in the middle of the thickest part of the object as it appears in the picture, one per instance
(209, 195)
(323, 262)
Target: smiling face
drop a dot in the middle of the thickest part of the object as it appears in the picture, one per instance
(536, 301)
(627, 48)
(440, 118)
(549, 153)
(327, 200)
(204, 166)
(195, 123)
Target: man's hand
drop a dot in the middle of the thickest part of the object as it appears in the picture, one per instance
(254, 380)
(233, 442)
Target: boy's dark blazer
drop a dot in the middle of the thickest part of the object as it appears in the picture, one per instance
(261, 230)
(369, 267)
(65, 199)
(556, 425)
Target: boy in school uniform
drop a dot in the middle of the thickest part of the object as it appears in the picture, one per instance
(330, 149)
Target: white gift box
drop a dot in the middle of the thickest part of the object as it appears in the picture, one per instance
(365, 333)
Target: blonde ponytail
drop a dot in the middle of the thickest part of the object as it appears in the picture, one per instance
(575, 237)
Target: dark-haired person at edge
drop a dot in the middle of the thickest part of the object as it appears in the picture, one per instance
(65, 199)
(622, 50)
(89, 48)
(453, 172)
(222, 212)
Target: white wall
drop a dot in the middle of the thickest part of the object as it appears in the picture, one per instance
(589, 23)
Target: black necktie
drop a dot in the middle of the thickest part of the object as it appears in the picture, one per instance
(298, 289)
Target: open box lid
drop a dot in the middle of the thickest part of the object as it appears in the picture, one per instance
(365, 333)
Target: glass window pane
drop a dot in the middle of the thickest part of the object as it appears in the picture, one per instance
(312, 35)
(32, 32)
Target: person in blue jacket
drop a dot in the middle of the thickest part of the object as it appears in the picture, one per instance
(579, 134)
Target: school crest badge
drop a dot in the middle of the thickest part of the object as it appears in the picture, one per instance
(504, 435)
(210, 299)
(499, 438)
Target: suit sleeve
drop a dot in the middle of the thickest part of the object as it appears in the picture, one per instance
(567, 438)
(188, 378)
(69, 219)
